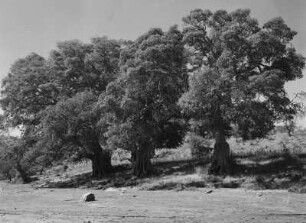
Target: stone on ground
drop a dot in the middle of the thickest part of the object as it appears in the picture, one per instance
(88, 197)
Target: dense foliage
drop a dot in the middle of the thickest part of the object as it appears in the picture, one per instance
(239, 73)
(145, 116)
(223, 73)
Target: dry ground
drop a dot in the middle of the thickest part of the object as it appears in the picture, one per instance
(23, 203)
(176, 192)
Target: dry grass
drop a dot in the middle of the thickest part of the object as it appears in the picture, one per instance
(273, 146)
(276, 162)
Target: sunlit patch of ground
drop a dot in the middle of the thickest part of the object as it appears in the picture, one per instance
(22, 203)
(179, 190)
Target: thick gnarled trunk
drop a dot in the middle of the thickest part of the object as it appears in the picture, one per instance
(142, 165)
(21, 174)
(221, 156)
(101, 163)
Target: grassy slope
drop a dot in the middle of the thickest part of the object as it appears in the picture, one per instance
(276, 162)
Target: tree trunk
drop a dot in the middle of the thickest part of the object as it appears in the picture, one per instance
(21, 174)
(133, 156)
(289, 125)
(101, 163)
(142, 166)
(221, 156)
(8, 176)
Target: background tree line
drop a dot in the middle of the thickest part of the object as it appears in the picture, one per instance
(222, 74)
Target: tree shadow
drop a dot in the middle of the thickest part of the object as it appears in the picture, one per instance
(282, 172)
(279, 165)
(279, 172)
(122, 175)
(178, 167)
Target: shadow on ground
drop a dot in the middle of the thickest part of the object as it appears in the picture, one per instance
(122, 176)
(282, 172)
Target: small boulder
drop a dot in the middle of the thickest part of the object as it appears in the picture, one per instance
(88, 197)
(208, 191)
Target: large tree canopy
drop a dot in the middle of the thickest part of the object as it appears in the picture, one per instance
(78, 67)
(239, 72)
(27, 90)
(36, 87)
(82, 72)
(86, 99)
(72, 125)
(141, 106)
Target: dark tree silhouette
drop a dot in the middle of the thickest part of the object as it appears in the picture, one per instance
(239, 72)
(141, 106)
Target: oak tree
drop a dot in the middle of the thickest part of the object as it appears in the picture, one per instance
(141, 106)
(72, 125)
(239, 70)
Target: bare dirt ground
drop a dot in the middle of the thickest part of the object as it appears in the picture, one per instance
(23, 203)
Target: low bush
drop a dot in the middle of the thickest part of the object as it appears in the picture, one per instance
(199, 146)
(7, 170)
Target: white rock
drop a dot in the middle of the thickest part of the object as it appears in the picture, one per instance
(111, 189)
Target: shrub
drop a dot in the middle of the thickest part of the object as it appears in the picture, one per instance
(198, 145)
(121, 156)
(7, 170)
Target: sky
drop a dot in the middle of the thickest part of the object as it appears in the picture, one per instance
(37, 25)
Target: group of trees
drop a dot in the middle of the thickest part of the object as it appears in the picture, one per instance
(221, 71)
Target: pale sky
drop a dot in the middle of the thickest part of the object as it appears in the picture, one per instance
(36, 25)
